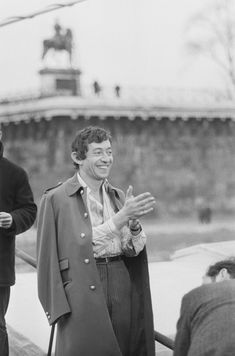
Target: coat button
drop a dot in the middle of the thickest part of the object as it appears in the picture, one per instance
(82, 235)
(81, 191)
(86, 260)
(92, 287)
(85, 215)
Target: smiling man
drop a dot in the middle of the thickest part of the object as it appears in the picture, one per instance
(92, 265)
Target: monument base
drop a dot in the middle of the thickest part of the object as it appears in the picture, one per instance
(64, 81)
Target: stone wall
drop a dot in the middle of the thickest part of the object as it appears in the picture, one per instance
(180, 162)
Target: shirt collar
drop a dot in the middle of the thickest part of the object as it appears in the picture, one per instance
(81, 181)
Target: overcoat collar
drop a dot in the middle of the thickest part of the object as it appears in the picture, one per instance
(73, 186)
(1, 149)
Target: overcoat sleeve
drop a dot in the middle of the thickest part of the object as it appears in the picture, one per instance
(25, 209)
(50, 286)
(182, 340)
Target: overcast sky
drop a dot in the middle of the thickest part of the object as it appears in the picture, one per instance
(131, 42)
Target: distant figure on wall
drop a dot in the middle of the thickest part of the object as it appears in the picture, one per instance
(204, 211)
(97, 88)
(205, 215)
(117, 90)
(62, 40)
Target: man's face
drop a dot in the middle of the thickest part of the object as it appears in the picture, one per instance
(98, 161)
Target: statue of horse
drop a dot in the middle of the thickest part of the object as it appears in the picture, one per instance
(60, 41)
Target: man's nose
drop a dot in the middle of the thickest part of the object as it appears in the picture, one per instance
(105, 157)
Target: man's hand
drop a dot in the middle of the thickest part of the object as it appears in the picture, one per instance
(134, 207)
(5, 220)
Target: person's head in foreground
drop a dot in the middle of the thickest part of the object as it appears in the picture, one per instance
(220, 271)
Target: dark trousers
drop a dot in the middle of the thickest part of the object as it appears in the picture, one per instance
(116, 284)
(4, 301)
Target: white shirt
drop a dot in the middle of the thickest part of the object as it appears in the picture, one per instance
(107, 239)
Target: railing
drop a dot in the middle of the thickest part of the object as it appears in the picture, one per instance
(161, 338)
(164, 340)
(25, 257)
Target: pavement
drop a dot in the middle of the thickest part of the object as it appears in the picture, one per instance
(26, 317)
(19, 345)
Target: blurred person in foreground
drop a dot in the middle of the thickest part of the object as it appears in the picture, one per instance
(17, 214)
(92, 266)
(207, 319)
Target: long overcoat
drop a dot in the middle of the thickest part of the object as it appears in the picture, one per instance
(16, 198)
(69, 286)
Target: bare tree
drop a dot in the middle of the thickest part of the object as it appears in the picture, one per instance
(211, 32)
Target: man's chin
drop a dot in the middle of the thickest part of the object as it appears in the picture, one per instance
(102, 175)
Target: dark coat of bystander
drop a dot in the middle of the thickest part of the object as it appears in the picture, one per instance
(16, 198)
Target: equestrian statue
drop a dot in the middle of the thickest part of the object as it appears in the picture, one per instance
(62, 40)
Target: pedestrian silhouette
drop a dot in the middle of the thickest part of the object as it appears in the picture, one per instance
(97, 88)
(117, 90)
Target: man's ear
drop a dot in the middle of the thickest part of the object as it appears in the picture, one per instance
(75, 159)
(223, 275)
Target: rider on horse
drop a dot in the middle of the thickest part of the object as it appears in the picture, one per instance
(60, 41)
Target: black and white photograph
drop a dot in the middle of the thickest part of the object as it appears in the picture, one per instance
(117, 178)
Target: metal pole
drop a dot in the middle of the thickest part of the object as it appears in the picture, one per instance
(25, 257)
(51, 340)
(164, 340)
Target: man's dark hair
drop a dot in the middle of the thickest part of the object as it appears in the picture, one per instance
(214, 270)
(88, 135)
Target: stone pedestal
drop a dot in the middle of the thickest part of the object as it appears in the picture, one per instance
(56, 81)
